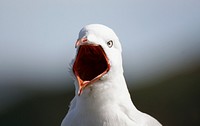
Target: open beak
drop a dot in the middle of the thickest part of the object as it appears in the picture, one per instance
(91, 63)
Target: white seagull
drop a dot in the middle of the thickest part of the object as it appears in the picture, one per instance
(101, 96)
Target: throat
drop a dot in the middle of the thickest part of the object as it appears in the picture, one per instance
(90, 65)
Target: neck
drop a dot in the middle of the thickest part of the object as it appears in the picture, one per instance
(108, 90)
(106, 99)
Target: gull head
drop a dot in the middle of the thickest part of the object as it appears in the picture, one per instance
(98, 56)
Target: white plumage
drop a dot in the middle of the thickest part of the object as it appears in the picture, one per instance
(102, 97)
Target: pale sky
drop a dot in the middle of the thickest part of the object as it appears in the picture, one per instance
(37, 36)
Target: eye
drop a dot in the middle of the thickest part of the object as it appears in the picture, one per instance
(110, 43)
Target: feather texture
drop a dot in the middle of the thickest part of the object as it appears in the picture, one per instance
(105, 102)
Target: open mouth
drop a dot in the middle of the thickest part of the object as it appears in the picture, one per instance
(90, 65)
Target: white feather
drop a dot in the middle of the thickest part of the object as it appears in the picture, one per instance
(106, 102)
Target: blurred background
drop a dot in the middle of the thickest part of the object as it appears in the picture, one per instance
(161, 48)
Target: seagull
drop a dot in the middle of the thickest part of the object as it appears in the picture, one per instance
(101, 94)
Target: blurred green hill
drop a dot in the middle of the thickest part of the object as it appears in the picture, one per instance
(173, 101)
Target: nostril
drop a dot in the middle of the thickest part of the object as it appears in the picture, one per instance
(84, 40)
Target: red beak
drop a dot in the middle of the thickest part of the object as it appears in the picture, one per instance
(81, 41)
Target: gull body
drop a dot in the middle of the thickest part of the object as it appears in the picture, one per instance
(106, 101)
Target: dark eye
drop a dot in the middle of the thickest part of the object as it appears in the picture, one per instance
(110, 43)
